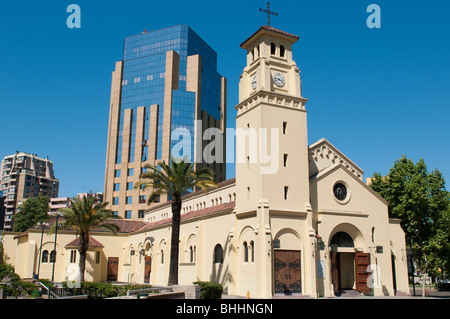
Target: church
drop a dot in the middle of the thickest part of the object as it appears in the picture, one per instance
(309, 227)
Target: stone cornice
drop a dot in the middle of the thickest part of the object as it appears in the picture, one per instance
(273, 99)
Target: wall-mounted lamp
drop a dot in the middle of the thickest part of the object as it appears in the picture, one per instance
(320, 245)
(276, 243)
(379, 249)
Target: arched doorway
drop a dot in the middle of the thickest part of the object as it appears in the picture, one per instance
(348, 267)
(148, 263)
(342, 261)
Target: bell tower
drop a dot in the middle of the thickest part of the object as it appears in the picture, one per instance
(273, 166)
(270, 66)
(272, 178)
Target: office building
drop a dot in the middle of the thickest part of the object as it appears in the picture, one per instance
(167, 83)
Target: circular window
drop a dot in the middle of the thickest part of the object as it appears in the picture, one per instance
(340, 191)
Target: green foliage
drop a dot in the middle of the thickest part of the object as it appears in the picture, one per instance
(443, 286)
(85, 215)
(175, 179)
(419, 198)
(16, 287)
(97, 290)
(209, 290)
(7, 270)
(30, 212)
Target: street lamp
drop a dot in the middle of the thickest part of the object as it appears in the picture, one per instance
(58, 214)
(43, 225)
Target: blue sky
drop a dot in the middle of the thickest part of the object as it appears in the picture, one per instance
(375, 94)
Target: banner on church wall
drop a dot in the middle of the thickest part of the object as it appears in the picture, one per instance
(320, 272)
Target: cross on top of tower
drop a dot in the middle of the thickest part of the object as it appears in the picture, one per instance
(268, 13)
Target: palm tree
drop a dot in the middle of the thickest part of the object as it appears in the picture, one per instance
(175, 180)
(84, 215)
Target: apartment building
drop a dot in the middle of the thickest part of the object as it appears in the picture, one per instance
(25, 175)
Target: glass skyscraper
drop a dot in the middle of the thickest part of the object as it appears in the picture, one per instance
(167, 79)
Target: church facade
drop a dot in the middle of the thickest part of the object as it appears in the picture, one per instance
(301, 222)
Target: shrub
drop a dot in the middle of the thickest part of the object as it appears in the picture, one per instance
(96, 290)
(443, 286)
(209, 290)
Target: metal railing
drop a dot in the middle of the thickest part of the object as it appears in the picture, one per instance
(50, 293)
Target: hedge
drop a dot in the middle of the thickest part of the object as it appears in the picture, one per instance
(209, 290)
(98, 290)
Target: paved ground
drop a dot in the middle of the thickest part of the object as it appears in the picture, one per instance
(351, 294)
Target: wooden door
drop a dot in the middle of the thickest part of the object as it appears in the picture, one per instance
(113, 268)
(336, 271)
(287, 268)
(362, 262)
(147, 269)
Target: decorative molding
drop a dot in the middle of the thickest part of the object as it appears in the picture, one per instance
(324, 150)
(272, 99)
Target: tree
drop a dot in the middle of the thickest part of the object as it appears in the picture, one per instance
(30, 212)
(175, 180)
(419, 198)
(84, 215)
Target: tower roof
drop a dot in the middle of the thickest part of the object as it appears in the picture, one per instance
(265, 29)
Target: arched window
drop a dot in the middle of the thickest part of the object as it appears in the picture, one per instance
(218, 254)
(162, 256)
(44, 256)
(195, 254)
(252, 247)
(245, 252)
(192, 254)
(272, 49)
(282, 51)
(53, 256)
(342, 239)
(73, 256)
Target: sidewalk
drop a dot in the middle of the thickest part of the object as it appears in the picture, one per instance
(352, 294)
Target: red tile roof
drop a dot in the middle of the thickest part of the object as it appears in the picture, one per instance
(196, 193)
(125, 226)
(270, 29)
(193, 214)
(92, 243)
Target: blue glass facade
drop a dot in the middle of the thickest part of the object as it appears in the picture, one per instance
(143, 81)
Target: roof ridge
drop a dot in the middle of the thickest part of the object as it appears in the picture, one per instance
(272, 29)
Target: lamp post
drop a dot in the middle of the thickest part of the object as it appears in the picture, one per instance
(58, 214)
(43, 225)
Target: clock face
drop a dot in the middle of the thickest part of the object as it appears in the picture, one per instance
(254, 83)
(340, 191)
(278, 79)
